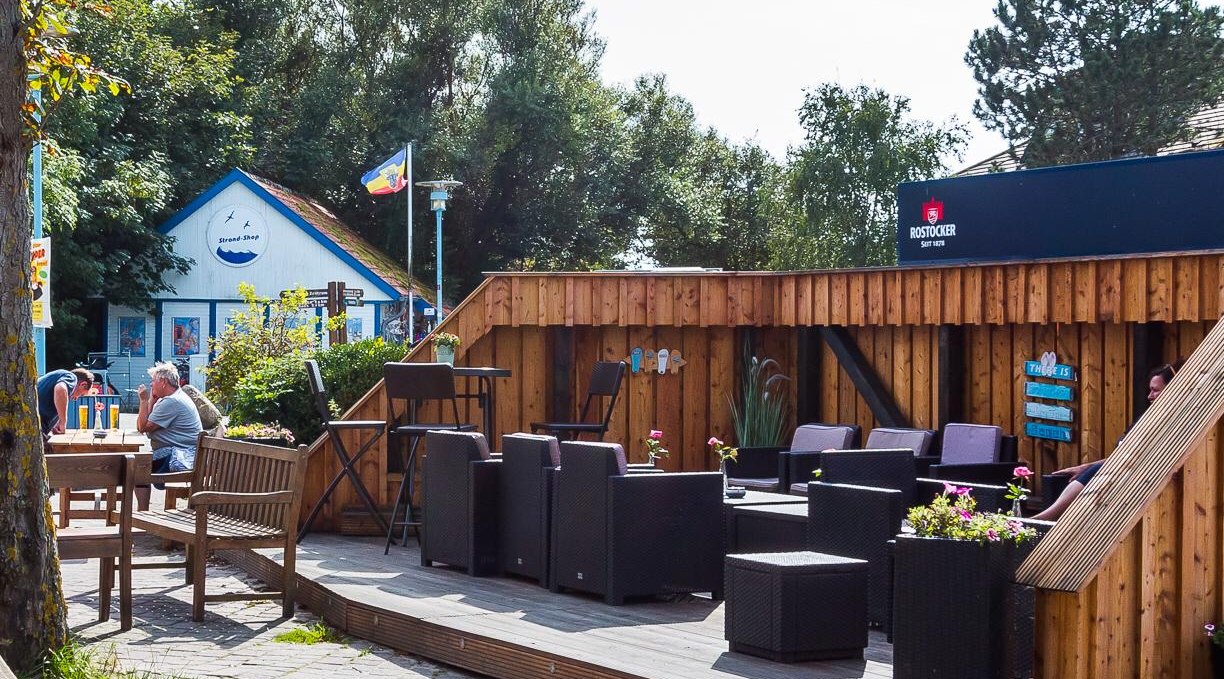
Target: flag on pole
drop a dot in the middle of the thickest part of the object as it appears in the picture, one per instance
(389, 177)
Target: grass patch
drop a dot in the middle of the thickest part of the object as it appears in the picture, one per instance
(74, 661)
(315, 634)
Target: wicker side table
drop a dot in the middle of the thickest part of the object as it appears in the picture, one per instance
(768, 528)
(796, 606)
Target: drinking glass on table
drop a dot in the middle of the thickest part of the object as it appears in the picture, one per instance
(114, 416)
(82, 416)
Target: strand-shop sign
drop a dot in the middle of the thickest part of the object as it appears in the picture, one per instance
(1132, 206)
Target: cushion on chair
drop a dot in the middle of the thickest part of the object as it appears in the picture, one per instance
(917, 440)
(554, 447)
(971, 443)
(616, 450)
(822, 437)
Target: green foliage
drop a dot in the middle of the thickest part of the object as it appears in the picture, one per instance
(956, 519)
(1083, 80)
(74, 661)
(315, 634)
(860, 144)
(761, 414)
(266, 329)
(260, 430)
(278, 391)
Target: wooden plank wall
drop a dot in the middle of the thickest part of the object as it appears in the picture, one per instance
(1143, 614)
(1008, 312)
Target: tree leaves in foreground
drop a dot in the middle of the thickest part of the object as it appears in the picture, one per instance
(860, 144)
(1084, 80)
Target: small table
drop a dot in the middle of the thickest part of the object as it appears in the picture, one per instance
(485, 394)
(84, 441)
(769, 528)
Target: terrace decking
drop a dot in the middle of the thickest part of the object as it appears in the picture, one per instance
(512, 628)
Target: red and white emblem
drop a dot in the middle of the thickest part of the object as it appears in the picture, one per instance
(932, 211)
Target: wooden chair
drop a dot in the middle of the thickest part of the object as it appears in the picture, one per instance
(606, 379)
(106, 543)
(243, 496)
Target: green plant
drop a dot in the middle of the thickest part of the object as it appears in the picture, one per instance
(445, 339)
(266, 329)
(259, 430)
(654, 445)
(1216, 634)
(760, 418)
(279, 392)
(315, 634)
(1017, 490)
(957, 519)
(722, 450)
(74, 661)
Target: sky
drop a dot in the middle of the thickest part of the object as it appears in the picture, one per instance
(745, 65)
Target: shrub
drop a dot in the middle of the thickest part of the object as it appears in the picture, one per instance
(279, 390)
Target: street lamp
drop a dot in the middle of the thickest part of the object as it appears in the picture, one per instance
(439, 191)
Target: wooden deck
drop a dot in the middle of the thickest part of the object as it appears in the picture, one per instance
(512, 628)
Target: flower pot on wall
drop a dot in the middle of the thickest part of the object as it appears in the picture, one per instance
(446, 354)
(954, 612)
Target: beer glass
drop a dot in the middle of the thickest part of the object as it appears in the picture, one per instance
(114, 416)
(82, 416)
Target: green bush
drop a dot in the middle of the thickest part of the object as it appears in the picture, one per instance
(278, 391)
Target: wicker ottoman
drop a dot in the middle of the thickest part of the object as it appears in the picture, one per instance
(796, 606)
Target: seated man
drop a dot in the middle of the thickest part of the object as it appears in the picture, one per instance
(170, 419)
(55, 390)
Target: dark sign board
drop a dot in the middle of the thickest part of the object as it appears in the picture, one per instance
(1138, 205)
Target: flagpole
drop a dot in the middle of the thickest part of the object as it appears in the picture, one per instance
(411, 280)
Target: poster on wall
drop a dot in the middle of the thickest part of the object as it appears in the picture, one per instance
(40, 283)
(132, 335)
(186, 337)
(353, 328)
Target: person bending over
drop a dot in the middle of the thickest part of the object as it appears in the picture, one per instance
(172, 422)
(55, 390)
(1158, 379)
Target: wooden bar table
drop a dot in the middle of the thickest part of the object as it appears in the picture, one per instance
(115, 441)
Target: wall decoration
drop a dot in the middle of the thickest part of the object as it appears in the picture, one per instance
(353, 327)
(1048, 367)
(186, 335)
(40, 282)
(635, 360)
(132, 335)
(237, 235)
(661, 362)
(676, 361)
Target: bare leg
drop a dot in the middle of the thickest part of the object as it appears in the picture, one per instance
(1060, 505)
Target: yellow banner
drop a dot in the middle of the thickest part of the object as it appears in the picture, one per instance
(40, 283)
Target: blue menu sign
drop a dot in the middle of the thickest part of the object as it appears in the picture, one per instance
(1055, 392)
(1047, 412)
(1053, 432)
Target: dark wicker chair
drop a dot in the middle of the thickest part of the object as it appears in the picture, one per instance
(975, 453)
(893, 469)
(623, 535)
(768, 468)
(606, 378)
(525, 490)
(460, 499)
(916, 440)
(415, 383)
(858, 522)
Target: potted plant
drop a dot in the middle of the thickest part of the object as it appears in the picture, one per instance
(444, 345)
(725, 453)
(257, 432)
(654, 446)
(954, 610)
(1216, 636)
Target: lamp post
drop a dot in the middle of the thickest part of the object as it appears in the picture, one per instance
(439, 192)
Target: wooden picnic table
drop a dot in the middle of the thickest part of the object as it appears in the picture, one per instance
(84, 441)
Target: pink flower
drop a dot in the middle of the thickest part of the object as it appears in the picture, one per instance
(992, 534)
(656, 434)
(713, 441)
(960, 491)
(1022, 472)
(949, 488)
(1210, 629)
(966, 514)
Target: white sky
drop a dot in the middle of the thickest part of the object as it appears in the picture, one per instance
(744, 66)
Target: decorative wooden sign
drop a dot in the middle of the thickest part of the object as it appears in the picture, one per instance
(1047, 412)
(1054, 392)
(662, 361)
(1049, 366)
(1039, 430)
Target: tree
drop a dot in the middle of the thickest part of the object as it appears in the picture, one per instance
(860, 143)
(1083, 80)
(33, 619)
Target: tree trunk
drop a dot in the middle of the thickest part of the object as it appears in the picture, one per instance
(33, 618)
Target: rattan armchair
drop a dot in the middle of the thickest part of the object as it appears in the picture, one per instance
(460, 499)
(525, 487)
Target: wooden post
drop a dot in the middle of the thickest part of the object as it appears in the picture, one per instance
(562, 404)
(951, 405)
(807, 376)
(335, 307)
(1147, 354)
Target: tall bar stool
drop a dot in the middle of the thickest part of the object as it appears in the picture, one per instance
(415, 384)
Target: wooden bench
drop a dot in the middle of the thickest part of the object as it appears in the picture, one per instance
(243, 496)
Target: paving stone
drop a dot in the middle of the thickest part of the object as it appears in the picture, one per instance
(235, 639)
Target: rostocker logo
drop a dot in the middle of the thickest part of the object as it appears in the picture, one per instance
(932, 211)
(932, 234)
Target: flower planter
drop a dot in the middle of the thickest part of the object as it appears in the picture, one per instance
(265, 440)
(445, 354)
(954, 608)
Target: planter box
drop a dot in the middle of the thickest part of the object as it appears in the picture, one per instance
(954, 608)
(267, 441)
